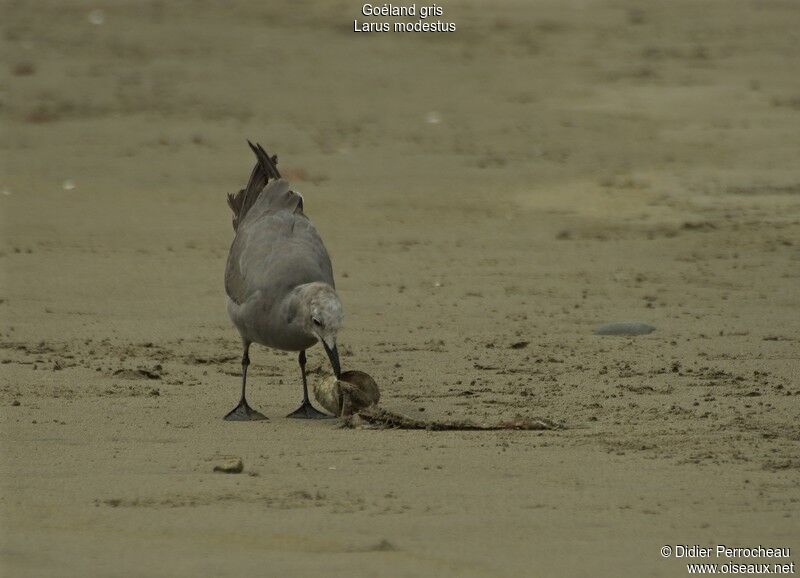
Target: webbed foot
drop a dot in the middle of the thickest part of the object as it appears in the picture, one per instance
(244, 412)
(308, 411)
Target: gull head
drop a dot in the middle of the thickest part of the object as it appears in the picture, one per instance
(323, 318)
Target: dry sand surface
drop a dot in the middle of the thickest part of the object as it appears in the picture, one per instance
(489, 197)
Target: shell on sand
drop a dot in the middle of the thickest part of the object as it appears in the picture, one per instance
(353, 391)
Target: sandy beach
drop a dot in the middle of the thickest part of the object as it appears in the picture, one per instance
(489, 197)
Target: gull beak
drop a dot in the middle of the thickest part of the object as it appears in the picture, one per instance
(333, 355)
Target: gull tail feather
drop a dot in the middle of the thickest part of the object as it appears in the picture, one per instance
(266, 169)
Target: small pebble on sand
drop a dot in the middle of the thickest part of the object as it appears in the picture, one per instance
(96, 17)
(231, 466)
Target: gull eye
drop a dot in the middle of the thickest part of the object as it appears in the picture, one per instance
(316, 321)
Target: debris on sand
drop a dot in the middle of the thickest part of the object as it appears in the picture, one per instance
(374, 417)
(139, 373)
(354, 397)
(382, 546)
(231, 466)
(628, 328)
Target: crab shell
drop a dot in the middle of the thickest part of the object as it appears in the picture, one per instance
(355, 387)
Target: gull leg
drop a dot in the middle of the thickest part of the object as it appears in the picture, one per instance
(243, 412)
(306, 410)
